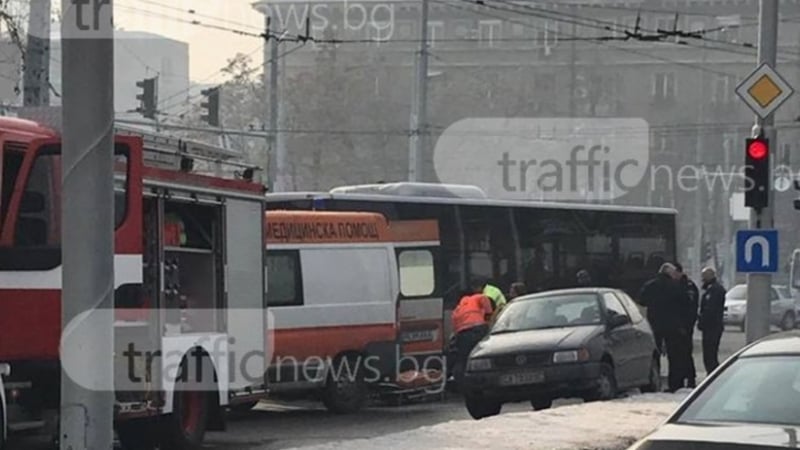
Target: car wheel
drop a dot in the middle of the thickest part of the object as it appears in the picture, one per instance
(654, 377)
(606, 388)
(788, 322)
(482, 407)
(539, 404)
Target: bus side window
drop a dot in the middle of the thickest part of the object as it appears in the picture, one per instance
(417, 273)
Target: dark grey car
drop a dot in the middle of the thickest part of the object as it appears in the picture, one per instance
(589, 342)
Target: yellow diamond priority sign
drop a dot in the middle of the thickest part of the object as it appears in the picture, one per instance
(764, 90)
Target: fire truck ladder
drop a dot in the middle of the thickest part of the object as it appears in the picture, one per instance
(168, 152)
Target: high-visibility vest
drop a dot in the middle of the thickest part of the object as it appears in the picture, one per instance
(496, 295)
(497, 298)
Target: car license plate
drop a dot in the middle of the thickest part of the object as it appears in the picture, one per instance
(522, 378)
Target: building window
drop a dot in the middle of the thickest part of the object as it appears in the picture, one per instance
(462, 29)
(380, 31)
(489, 31)
(435, 31)
(664, 86)
(723, 89)
(406, 29)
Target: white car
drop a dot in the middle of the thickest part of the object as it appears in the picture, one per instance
(783, 310)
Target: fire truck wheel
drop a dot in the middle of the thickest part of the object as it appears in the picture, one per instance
(138, 434)
(345, 392)
(185, 428)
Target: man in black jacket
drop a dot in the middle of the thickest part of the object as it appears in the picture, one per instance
(712, 309)
(665, 303)
(690, 319)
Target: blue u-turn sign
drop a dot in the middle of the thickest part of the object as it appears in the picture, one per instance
(757, 251)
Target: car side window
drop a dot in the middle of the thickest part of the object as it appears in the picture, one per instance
(631, 307)
(613, 305)
(774, 295)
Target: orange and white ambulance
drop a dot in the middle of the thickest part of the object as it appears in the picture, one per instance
(344, 291)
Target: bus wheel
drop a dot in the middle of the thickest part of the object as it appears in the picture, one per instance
(345, 391)
(185, 428)
(137, 434)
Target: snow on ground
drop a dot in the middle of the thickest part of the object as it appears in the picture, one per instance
(599, 425)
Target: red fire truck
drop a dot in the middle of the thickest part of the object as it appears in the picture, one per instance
(188, 273)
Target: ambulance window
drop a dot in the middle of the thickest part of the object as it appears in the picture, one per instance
(284, 280)
(417, 274)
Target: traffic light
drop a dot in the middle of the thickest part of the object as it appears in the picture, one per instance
(757, 173)
(211, 105)
(148, 99)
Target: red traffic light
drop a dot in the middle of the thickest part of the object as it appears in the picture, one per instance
(757, 150)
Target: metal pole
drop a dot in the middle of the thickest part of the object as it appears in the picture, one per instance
(758, 285)
(727, 259)
(572, 60)
(699, 197)
(280, 136)
(37, 55)
(87, 224)
(419, 118)
(272, 169)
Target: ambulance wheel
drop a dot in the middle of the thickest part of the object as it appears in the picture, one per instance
(345, 392)
(137, 434)
(185, 428)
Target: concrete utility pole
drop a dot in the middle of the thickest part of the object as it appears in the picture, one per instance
(758, 284)
(87, 233)
(274, 111)
(36, 80)
(572, 60)
(419, 119)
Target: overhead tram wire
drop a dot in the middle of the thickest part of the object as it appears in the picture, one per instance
(600, 41)
(195, 96)
(194, 13)
(657, 35)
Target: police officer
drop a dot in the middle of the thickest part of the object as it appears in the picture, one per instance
(690, 317)
(711, 321)
(664, 300)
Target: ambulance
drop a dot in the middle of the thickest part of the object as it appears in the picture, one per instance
(343, 296)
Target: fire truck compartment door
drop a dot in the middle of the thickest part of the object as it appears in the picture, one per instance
(244, 281)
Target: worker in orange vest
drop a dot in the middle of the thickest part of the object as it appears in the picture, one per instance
(470, 324)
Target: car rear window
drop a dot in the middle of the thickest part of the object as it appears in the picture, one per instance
(738, 292)
(764, 389)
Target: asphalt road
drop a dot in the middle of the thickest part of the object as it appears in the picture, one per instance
(272, 426)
